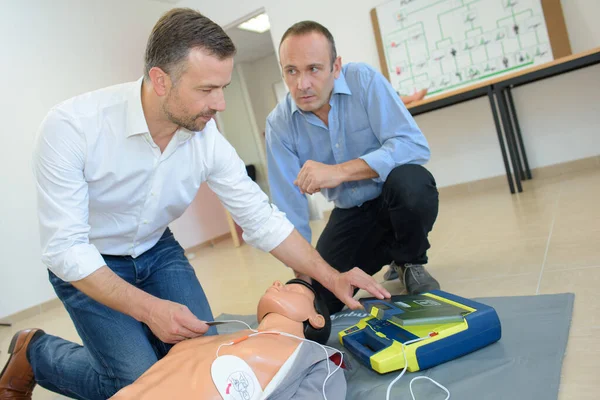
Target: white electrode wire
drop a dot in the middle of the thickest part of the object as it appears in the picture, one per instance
(256, 333)
(389, 389)
(235, 320)
(431, 380)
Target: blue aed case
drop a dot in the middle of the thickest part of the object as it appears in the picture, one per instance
(377, 340)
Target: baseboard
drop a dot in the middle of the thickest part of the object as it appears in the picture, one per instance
(32, 311)
(549, 171)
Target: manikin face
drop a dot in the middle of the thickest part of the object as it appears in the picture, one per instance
(308, 71)
(294, 301)
(197, 94)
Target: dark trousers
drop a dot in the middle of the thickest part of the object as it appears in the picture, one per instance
(391, 227)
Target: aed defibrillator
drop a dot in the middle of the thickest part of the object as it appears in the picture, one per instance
(377, 341)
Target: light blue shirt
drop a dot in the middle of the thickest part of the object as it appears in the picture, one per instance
(367, 120)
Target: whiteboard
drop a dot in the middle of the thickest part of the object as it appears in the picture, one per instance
(444, 45)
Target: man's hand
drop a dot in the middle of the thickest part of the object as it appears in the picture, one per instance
(344, 284)
(172, 322)
(315, 176)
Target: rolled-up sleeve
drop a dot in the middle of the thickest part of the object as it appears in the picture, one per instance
(62, 196)
(402, 142)
(263, 225)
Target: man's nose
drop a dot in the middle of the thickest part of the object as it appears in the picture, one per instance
(303, 83)
(218, 103)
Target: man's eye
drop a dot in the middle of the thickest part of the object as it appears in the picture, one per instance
(291, 71)
(314, 69)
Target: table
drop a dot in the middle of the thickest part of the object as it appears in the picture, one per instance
(498, 91)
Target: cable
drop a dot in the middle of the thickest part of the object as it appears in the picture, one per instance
(389, 389)
(329, 373)
(235, 320)
(324, 347)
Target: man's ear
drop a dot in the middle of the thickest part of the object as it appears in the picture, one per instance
(317, 321)
(160, 81)
(337, 67)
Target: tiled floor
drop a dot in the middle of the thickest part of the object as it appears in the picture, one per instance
(545, 240)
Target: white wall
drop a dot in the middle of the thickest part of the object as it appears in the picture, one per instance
(238, 126)
(463, 138)
(260, 76)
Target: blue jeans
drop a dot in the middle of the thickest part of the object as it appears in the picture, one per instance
(116, 349)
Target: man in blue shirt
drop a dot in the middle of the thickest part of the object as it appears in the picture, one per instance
(344, 131)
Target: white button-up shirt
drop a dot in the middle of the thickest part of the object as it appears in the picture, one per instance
(104, 187)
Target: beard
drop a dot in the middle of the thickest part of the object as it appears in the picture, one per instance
(183, 119)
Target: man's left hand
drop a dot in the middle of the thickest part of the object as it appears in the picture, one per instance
(344, 284)
(315, 176)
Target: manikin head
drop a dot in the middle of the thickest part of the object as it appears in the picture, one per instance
(309, 64)
(298, 301)
(189, 61)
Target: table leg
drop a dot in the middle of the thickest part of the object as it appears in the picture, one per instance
(509, 177)
(517, 130)
(512, 148)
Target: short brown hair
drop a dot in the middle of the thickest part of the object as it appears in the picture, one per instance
(176, 33)
(305, 27)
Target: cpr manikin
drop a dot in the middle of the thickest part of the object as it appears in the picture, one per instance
(270, 362)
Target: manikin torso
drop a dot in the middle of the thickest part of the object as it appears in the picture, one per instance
(186, 372)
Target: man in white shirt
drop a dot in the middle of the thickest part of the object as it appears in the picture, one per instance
(113, 168)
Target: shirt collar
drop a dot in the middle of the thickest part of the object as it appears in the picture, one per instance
(340, 86)
(136, 121)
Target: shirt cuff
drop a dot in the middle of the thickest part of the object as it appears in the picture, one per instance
(381, 162)
(78, 262)
(275, 230)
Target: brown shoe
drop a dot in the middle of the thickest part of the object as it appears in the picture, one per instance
(17, 380)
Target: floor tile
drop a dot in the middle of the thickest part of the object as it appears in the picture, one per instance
(584, 282)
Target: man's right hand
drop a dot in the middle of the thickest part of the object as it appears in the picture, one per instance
(172, 322)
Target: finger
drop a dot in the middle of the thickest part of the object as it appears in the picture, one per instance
(303, 182)
(186, 333)
(378, 291)
(196, 326)
(193, 324)
(311, 188)
(352, 303)
(362, 280)
(299, 188)
(172, 339)
(301, 176)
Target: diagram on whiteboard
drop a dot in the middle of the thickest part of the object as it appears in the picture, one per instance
(442, 45)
